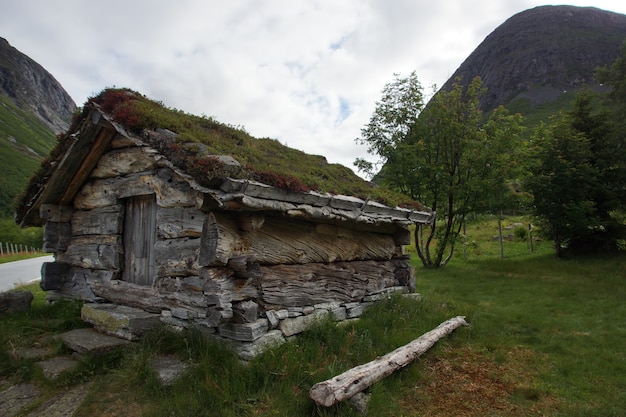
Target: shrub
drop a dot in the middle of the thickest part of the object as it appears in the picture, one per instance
(520, 232)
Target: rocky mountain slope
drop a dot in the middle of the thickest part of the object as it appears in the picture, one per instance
(34, 107)
(542, 52)
(30, 87)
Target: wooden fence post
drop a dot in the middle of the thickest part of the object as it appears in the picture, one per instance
(500, 234)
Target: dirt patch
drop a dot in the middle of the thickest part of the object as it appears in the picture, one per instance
(466, 383)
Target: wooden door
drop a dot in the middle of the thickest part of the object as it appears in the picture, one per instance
(139, 237)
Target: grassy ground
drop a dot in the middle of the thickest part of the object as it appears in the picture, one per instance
(546, 338)
(21, 256)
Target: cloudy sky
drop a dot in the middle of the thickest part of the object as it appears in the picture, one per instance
(307, 73)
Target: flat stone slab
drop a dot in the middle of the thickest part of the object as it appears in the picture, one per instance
(117, 320)
(33, 353)
(54, 367)
(64, 404)
(245, 332)
(16, 397)
(85, 341)
(248, 351)
(295, 325)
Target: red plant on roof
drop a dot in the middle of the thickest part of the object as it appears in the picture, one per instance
(110, 99)
(119, 104)
(207, 170)
(282, 181)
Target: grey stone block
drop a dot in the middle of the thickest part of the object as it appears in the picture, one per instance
(15, 301)
(295, 325)
(245, 332)
(117, 320)
(90, 341)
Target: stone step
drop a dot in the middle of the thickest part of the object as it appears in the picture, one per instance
(89, 341)
(53, 367)
(121, 321)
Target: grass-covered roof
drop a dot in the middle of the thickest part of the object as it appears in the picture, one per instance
(197, 145)
(265, 160)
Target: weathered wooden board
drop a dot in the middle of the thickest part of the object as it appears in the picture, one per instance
(282, 241)
(80, 158)
(166, 295)
(93, 252)
(120, 162)
(56, 236)
(100, 143)
(133, 295)
(170, 190)
(56, 213)
(96, 194)
(177, 257)
(223, 283)
(225, 289)
(316, 283)
(139, 238)
(177, 222)
(106, 220)
(256, 196)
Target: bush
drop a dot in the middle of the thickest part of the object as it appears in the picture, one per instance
(521, 233)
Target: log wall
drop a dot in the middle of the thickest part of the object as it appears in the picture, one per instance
(217, 266)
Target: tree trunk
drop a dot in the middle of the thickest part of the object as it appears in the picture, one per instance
(355, 380)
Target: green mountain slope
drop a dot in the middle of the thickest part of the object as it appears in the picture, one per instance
(34, 107)
(24, 142)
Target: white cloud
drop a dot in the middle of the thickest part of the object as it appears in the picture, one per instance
(307, 74)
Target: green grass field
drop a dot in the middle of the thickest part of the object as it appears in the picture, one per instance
(547, 337)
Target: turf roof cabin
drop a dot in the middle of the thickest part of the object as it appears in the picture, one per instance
(140, 216)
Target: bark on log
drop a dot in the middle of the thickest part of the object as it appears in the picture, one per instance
(355, 380)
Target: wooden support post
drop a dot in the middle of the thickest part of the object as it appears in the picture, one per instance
(355, 380)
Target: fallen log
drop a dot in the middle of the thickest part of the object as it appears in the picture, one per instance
(357, 379)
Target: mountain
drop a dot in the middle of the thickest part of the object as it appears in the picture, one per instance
(540, 54)
(30, 87)
(34, 107)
